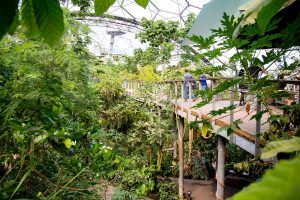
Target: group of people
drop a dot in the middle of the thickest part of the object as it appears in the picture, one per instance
(254, 72)
(188, 78)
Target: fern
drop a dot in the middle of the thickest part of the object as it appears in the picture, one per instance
(49, 18)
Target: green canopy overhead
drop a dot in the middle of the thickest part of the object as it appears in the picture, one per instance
(211, 14)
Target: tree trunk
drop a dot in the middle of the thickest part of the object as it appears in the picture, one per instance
(159, 157)
(191, 139)
(181, 157)
(150, 154)
(176, 130)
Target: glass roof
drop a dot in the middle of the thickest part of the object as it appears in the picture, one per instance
(127, 17)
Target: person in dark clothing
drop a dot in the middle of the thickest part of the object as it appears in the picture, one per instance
(241, 88)
(188, 78)
(254, 72)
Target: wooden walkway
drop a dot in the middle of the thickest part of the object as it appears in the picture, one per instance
(246, 137)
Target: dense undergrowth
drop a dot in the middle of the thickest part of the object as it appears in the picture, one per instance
(63, 130)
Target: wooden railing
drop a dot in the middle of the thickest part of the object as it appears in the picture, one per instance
(174, 90)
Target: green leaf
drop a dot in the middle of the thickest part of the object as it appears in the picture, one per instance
(267, 12)
(142, 3)
(278, 184)
(102, 6)
(68, 143)
(14, 25)
(259, 115)
(28, 18)
(275, 147)
(40, 138)
(204, 130)
(8, 11)
(50, 20)
(222, 110)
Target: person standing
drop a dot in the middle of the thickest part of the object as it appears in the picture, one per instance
(188, 78)
(203, 82)
(241, 88)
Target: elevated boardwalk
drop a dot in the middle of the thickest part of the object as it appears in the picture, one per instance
(246, 136)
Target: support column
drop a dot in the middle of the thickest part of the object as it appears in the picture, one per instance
(181, 157)
(221, 168)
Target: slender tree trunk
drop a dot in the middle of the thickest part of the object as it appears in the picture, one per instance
(181, 157)
(191, 139)
(176, 130)
(150, 154)
(159, 157)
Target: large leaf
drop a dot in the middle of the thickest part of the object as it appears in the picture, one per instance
(8, 10)
(102, 5)
(142, 3)
(267, 12)
(275, 147)
(50, 20)
(280, 183)
(28, 18)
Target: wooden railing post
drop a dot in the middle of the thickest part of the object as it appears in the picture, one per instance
(298, 99)
(190, 90)
(257, 129)
(182, 89)
(176, 89)
(232, 112)
(214, 98)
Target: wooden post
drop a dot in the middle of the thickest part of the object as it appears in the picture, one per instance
(191, 139)
(175, 135)
(221, 168)
(190, 90)
(213, 84)
(298, 99)
(257, 132)
(232, 112)
(200, 88)
(182, 89)
(176, 90)
(181, 157)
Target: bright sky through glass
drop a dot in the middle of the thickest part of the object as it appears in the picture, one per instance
(175, 10)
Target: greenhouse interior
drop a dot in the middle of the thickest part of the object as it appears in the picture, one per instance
(150, 99)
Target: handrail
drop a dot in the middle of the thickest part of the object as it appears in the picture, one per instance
(176, 89)
(287, 81)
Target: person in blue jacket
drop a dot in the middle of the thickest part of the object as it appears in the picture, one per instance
(203, 82)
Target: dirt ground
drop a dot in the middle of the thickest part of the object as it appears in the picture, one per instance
(200, 189)
(205, 190)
